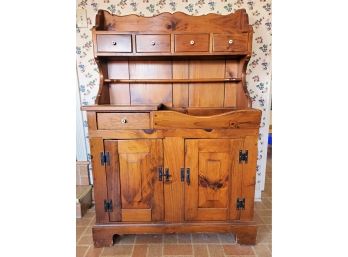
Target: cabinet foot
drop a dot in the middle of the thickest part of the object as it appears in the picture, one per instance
(103, 239)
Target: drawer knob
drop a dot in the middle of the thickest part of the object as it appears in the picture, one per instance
(192, 42)
(114, 43)
(230, 41)
(153, 43)
(124, 121)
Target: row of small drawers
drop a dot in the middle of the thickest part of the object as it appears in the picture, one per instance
(161, 43)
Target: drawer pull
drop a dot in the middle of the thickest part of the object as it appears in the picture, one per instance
(230, 41)
(114, 43)
(192, 42)
(124, 121)
(153, 43)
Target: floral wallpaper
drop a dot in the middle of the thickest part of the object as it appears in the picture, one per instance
(259, 68)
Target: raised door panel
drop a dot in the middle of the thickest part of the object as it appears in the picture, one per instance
(215, 179)
(134, 172)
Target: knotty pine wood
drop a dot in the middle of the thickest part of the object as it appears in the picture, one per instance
(113, 179)
(119, 92)
(180, 91)
(174, 83)
(140, 188)
(191, 42)
(114, 43)
(115, 120)
(178, 22)
(236, 178)
(245, 231)
(162, 133)
(92, 120)
(99, 180)
(152, 43)
(103, 95)
(212, 186)
(249, 177)
(201, 94)
(132, 215)
(239, 42)
(187, 106)
(234, 119)
(207, 80)
(150, 93)
(174, 190)
(191, 192)
(118, 108)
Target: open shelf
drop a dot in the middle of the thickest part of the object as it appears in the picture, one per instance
(153, 81)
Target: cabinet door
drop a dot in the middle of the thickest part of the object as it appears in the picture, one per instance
(133, 179)
(215, 179)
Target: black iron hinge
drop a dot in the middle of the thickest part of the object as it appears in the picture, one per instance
(243, 156)
(108, 205)
(105, 158)
(240, 203)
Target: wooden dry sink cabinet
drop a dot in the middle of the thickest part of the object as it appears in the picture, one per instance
(173, 135)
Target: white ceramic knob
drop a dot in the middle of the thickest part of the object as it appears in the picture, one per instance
(153, 43)
(230, 41)
(192, 42)
(114, 43)
(124, 121)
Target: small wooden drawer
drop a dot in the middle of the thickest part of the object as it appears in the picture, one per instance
(153, 43)
(114, 43)
(192, 43)
(123, 120)
(237, 42)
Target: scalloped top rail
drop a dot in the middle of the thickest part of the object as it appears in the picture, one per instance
(176, 22)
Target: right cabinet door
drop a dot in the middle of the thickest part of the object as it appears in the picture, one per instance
(213, 179)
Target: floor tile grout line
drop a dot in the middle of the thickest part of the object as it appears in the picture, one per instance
(86, 251)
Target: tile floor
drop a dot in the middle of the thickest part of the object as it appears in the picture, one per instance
(184, 245)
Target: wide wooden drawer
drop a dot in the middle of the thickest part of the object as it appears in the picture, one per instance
(123, 120)
(192, 43)
(152, 43)
(237, 42)
(114, 43)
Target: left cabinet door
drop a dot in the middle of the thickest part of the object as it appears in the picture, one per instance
(133, 181)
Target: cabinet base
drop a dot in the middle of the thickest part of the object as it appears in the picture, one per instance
(245, 231)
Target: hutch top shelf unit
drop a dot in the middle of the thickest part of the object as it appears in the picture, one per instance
(173, 59)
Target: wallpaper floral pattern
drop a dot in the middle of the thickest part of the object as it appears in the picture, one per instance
(259, 68)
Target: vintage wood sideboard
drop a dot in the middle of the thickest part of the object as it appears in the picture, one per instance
(173, 135)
